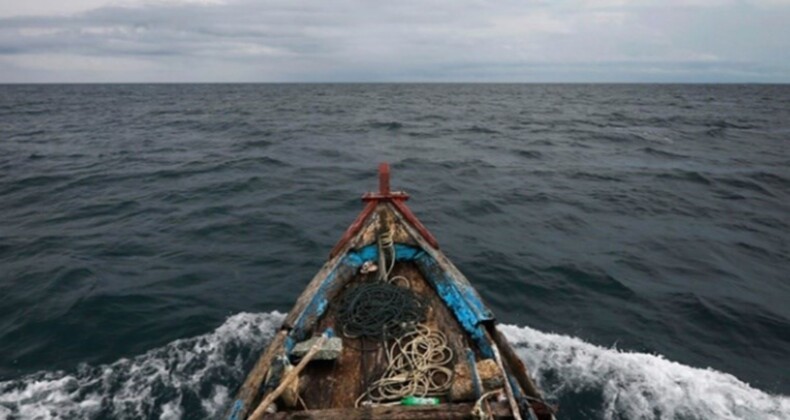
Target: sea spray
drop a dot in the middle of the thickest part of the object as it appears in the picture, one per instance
(194, 377)
(187, 378)
(638, 385)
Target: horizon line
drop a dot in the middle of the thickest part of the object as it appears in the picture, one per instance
(401, 83)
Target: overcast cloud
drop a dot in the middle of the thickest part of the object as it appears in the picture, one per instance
(405, 40)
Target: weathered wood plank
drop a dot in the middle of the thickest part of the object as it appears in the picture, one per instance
(439, 317)
(249, 393)
(354, 229)
(473, 299)
(330, 389)
(307, 295)
(383, 217)
(309, 292)
(362, 361)
(516, 365)
(288, 379)
(333, 384)
(508, 389)
(442, 411)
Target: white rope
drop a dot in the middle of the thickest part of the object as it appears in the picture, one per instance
(417, 364)
(387, 256)
(386, 246)
(478, 411)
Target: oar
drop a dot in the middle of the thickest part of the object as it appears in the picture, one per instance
(287, 379)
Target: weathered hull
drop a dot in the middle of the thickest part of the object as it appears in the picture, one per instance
(334, 389)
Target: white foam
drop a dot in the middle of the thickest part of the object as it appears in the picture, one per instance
(639, 385)
(153, 385)
(172, 410)
(220, 398)
(193, 378)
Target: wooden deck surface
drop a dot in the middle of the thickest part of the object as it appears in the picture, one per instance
(499, 410)
(328, 385)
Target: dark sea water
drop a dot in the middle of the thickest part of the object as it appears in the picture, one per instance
(636, 238)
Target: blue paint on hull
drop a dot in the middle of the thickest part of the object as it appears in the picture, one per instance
(462, 300)
(348, 265)
(459, 296)
(470, 359)
(371, 253)
(237, 406)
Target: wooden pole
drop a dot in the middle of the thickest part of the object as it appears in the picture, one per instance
(251, 387)
(508, 390)
(287, 379)
(384, 178)
(512, 359)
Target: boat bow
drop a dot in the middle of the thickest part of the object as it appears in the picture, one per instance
(386, 214)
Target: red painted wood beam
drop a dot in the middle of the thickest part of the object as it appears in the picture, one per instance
(354, 228)
(384, 178)
(397, 198)
(411, 218)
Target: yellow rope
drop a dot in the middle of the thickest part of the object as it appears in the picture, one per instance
(478, 411)
(417, 364)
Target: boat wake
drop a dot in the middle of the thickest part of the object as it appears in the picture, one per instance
(637, 385)
(189, 378)
(194, 377)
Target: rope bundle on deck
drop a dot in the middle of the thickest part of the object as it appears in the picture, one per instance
(379, 310)
(417, 365)
(418, 359)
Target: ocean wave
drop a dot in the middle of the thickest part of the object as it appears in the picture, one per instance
(638, 385)
(387, 125)
(529, 154)
(744, 184)
(195, 377)
(188, 378)
(687, 176)
(479, 129)
(662, 153)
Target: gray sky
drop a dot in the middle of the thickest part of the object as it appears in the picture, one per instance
(403, 40)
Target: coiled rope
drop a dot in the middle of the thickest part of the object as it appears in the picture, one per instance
(417, 364)
(379, 310)
(418, 360)
(387, 261)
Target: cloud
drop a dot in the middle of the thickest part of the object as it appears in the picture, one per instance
(427, 40)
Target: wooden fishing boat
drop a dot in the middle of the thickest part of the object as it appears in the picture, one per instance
(389, 328)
